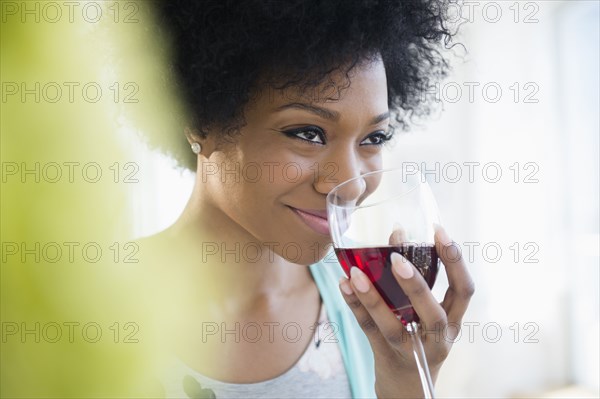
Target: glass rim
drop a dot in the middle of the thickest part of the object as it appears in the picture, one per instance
(380, 171)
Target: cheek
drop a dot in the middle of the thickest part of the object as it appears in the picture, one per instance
(250, 187)
(255, 200)
(374, 161)
(271, 166)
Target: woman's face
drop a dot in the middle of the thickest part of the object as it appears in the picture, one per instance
(272, 180)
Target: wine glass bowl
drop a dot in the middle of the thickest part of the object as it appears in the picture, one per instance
(395, 198)
(394, 211)
(378, 213)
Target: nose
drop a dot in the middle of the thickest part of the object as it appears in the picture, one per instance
(343, 164)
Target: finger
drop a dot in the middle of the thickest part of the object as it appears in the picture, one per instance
(390, 327)
(418, 292)
(461, 287)
(372, 313)
(364, 319)
(398, 236)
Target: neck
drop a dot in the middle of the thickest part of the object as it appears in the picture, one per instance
(244, 273)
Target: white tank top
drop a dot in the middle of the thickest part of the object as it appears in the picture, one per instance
(319, 373)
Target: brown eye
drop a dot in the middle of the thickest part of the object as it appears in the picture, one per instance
(311, 134)
(377, 138)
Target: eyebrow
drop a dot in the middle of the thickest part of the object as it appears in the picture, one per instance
(380, 118)
(327, 113)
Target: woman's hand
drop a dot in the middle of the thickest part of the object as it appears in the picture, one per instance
(396, 373)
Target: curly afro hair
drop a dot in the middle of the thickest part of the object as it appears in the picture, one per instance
(223, 50)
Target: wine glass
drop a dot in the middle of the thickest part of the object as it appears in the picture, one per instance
(378, 213)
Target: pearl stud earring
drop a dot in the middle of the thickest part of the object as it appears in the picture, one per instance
(196, 148)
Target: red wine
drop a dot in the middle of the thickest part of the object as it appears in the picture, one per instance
(376, 264)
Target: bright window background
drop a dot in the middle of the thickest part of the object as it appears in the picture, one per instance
(540, 293)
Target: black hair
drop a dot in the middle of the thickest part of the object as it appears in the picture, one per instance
(222, 50)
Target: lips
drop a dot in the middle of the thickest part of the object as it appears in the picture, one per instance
(315, 219)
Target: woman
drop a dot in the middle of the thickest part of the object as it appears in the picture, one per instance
(287, 99)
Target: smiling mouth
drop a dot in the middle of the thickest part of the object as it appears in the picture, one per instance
(316, 220)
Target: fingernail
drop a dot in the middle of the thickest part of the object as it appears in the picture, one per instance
(359, 279)
(442, 235)
(345, 286)
(402, 266)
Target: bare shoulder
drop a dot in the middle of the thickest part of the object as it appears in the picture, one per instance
(153, 248)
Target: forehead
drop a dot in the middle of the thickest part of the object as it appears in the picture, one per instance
(363, 86)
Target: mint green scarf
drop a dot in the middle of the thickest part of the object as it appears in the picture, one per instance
(354, 345)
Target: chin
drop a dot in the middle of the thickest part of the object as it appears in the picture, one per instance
(304, 252)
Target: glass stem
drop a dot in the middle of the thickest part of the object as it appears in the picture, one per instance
(419, 353)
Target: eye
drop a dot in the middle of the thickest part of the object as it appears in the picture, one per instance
(312, 134)
(377, 138)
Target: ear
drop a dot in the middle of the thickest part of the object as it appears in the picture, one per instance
(191, 135)
(209, 142)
